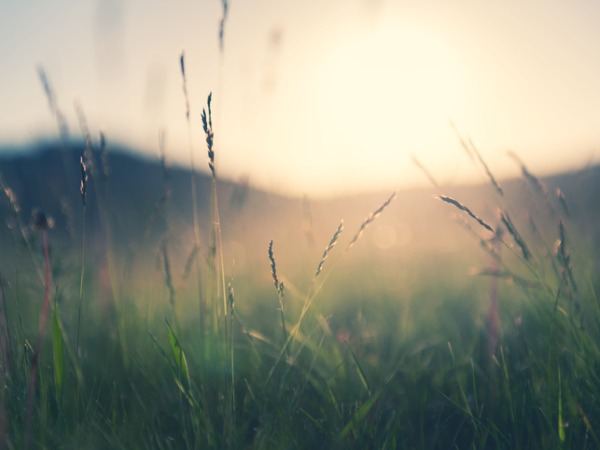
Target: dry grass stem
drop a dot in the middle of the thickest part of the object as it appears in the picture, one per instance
(83, 192)
(374, 215)
(163, 155)
(161, 204)
(564, 256)
(87, 151)
(187, 267)
(280, 289)
(563, 202)
(426, 172)
(329, 247)
(83, 124)
(61, 121)
(225, 5)
(506, 275)
(510, 227)
(464, 208)
(471, 150)
(486, 244)
(463, 143)
(534, 181)
(486, 168)
(184, 82)
(230, 299)
(196, 231)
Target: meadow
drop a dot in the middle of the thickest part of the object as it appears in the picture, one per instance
(146, 306)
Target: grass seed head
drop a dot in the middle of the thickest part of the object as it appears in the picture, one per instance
(329, 247)
(208, 131)
(225, 6)
(534, 181)
(464, 208)
(273, 266)
(84, 180)
(512, 230)
(231, 298)
(374, 215)
(12, 198)
(184, 82)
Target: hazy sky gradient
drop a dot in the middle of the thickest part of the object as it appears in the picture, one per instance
(317, 97)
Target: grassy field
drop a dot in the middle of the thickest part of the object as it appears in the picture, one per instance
(205, 321)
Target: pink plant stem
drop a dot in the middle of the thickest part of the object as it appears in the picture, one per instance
(41, 330)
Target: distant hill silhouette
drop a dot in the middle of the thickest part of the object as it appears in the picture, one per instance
(134, 187)
(48, 177)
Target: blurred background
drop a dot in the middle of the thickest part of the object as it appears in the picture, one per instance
(315, 98)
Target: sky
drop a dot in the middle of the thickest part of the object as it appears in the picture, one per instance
(314, 97)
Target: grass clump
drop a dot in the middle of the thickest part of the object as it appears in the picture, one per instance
(507, 359)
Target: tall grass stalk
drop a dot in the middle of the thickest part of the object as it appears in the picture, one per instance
(231, 433)
(58, 115)
(371, 218)
(314, 289)
(471, 150)
(425, 171)
(216, 241)
(83, 192)
(466, 209)
(99, 175)
(222, 316)
(279, 287)
(225, 10)
(310, 296)
(196, 230)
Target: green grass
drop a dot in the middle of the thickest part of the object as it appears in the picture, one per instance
(356, 361)
(352, 351)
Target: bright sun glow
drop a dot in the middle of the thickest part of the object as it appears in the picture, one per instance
(312, 97)
(404, 77)
(388, 91)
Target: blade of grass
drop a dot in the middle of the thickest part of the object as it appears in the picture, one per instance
(360, 414)
(561, 422)
(176, 375)
(359, 369)
(179, 357)
(58, 352)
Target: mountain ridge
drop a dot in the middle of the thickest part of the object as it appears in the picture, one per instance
(147, 201)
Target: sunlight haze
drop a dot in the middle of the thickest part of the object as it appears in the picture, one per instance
(317, 98)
